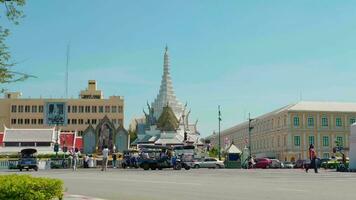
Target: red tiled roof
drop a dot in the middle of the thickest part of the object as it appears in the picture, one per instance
(1, 138)
(67, 139)
(79, 143)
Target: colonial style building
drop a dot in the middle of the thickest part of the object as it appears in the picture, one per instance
(286, 133)
(67, 114)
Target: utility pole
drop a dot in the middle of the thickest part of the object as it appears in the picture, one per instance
(219, 113)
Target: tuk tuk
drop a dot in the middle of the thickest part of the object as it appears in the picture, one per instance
(130, 159)
(28, 160)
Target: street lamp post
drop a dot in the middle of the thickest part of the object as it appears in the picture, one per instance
(219, 113)
(249, 133)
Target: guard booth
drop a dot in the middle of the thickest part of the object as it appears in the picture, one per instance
(233, 157)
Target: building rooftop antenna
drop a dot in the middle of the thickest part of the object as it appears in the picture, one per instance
(67, 66)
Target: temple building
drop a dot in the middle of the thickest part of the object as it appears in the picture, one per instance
(167, 120)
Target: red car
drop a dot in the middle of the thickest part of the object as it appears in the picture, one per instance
(263, 163)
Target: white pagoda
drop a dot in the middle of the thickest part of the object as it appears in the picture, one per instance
(167, 122)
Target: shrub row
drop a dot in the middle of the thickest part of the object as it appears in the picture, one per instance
(25, 187)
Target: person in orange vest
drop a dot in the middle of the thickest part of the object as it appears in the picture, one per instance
(313, 159)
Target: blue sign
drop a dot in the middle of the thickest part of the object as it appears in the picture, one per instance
(56, 113)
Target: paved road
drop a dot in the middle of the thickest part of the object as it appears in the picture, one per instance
(206, 184)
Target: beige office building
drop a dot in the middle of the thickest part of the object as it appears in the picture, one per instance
(287, 132)
(68, 114)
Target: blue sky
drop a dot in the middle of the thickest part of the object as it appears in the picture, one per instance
(247, 56)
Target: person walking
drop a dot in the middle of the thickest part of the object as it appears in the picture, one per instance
(105, 153)
(114, 158)
(313, 159)
(75, 159)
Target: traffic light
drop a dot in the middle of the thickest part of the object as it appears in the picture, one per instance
(65, 149)
(56, 147)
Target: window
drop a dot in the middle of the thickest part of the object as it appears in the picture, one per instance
(81, 109)
(13, 121)
(311, 139)
(114, 121)
(68, 109)
(93, 121)
(338, 122)
(87, 109)
(74, 109)
(114, 109)
(34, 109)
(20, 121)
(325, 141)
(310, 121)
(101, 109)
(27, 144)
(74, 121)
(68, 121)
(27, 109)
(13, 108)
(12, 144)
(88, 121)
(324, 122)
(352, 121)
(40, 109)
(326, 155)
(40, 121)
(93, 109)
(33, 121)
(120, 109)
(43, 144)
(20, 109)
(107, 109)
(80, 121)
(340, 141)
(27, 121)
(297, 140)
(296, 121)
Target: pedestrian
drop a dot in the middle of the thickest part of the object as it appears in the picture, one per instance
(104, 164)
(75, 159)
(86, 161)
(90, 161)
(313, 159)
(114, 158)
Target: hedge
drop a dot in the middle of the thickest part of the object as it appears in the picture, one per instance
(25, 187)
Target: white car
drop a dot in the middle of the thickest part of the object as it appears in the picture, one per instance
(208, 163)
(288, 165)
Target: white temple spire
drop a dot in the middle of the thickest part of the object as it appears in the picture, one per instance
(166, 95)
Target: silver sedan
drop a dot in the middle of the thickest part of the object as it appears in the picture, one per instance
(208, 163)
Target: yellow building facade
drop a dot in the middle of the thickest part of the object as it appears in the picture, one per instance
(286, 133)
(68, 114)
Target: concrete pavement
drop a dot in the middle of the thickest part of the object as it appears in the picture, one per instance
(207, 184)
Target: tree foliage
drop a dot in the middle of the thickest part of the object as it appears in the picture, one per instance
(13, 13)
(133, 135)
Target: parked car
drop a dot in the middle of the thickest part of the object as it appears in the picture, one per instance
(300, 163)
(208, 163)
(28, 160)
(333, 163)
(288, 165)
(263, 163)
(276, 163)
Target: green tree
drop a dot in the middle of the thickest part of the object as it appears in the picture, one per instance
(13, 13)
(213, 152)
(133, 135)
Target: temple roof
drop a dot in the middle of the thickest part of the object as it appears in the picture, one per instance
(168, 120)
